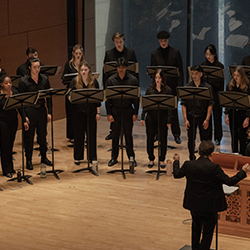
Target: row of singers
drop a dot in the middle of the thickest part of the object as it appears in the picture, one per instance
(36, 117)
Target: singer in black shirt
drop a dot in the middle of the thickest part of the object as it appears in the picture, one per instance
(35, 117)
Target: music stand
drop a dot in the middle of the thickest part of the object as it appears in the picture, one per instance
(194, 93)
(234, 100)
(50, 70)
(122, 92)
(15, 81)
(215, 73)
(49, 93)
(111, 68)
(158, 102)
(246, 68)
(66, 79)
(20, 101)
(169, 71)
(86, 96)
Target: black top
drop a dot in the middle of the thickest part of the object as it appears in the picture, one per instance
(2, 72)
(204, 192)
(27, 84)
(241, 111)
(8, 115)
(23, 69)
(83, 106)
(164, 114)
(169, 57)
(217, 85)
(68, 69)
(246, 61)
(128, 80)
(113, 55)
(198, 107)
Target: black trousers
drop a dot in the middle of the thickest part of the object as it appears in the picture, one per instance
(7, 138)
(238, 132)
(202, 223)
(175, 126)
(151, 130)
(127, 131)
(204, 134)
(69, 119)
(80, 130)
(38, 122)
(216, 119)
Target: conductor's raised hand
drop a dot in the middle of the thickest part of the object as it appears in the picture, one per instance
(110, 118)
(246, 168)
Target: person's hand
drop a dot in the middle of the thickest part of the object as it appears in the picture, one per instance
(97, 117)
(227, 119)
(169, 125)
(187, 124)
(205, 124)
(135, 118)
(49, 118)
(110, 118)
(26, 126)
(142, 122)
(176, 157)
(245, 123)
(246, 168)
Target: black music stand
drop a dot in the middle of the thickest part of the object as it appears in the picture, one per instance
(20, 101)
(15, 81)
(158, 102)
(66, 79)
(49, 93)
(194, 93)
(245, 67)
(169, 71)
(234, 100)
(111, 68)
(86, 96)
(122, 92)
(211, 72)
(50, 70)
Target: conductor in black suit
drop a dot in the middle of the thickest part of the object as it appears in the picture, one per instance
(112, 56)
(204, 195)
(165, 55)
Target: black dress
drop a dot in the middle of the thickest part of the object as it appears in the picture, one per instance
(68, 69)
(8, 128)
(80, 125)
(217, 85)
(238, 132)
(152, 124)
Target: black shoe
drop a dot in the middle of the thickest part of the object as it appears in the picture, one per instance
(109, 136)
(150, 165)
(9, 175)
(46, 161)
(163, 166)
(29, 165)
(77, 162)
(112, 162)
(217, 143)
(135, 163)
(177, 139)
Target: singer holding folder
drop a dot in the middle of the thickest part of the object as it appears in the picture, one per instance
(83, 80)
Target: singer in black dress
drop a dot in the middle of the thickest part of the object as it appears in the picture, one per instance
(217, 85)
(8, 127)
(84, 80)
(239, 83)
(71, 67)
(158, 87)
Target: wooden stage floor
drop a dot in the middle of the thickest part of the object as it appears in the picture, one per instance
(82, 211)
